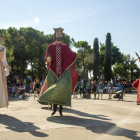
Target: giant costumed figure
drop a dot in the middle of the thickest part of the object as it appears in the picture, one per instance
(136, 84)
(62, 76)
(4, 67)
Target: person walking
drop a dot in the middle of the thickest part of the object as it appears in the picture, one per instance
(62, 76)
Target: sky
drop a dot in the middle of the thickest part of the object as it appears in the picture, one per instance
(83, 20)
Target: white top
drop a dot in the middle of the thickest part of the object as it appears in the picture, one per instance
(13, 89)
(5, 61)
(23, 87)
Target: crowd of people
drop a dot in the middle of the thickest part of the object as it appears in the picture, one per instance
(17, 87)
(86, 88)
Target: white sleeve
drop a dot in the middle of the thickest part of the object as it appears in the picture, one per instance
(4, 58)
(5, 62)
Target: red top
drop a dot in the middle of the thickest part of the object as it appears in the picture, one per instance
(30, 87)
(68, 59)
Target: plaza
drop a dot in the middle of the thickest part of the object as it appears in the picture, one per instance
(88, 119)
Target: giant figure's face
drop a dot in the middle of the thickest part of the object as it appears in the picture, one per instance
(59, 36)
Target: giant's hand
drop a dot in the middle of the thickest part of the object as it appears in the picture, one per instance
(49, 59)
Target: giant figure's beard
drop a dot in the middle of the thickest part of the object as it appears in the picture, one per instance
(59, 38)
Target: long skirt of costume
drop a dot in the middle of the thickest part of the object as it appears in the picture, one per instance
(58, 91)
(3, 83)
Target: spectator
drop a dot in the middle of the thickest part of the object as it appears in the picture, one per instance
(30, 89)
(94, 85)
(22, 92)
(8, 84)
(123, 88)
(88, 87)
(24, 82)
(13, 90)
(120, 87)
(81, 86)
(110, 89)
(37, 88)
(41, 84)
(10, 90)
(21, 82)
(75, 91)
(125, 85)
(101, 87)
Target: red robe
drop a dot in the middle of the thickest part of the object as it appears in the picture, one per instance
(136, 84)
(68, 59)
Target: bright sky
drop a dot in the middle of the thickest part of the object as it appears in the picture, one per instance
(83, 20)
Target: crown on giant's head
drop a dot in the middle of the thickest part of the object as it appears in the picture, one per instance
(58, 29)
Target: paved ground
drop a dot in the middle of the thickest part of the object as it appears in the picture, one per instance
(88, 119)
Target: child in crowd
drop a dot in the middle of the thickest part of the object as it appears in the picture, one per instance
(110, 89)
(101, 87)
(119, 85)
(10, 90)
(121, 88)
(22, 92)
(13, 90)
(34, 86)
(30, 89)
(19, 90)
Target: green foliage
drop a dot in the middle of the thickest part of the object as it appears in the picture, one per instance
(96, 58)
(107, 66)
(84, 55)
(28, 46)
(127, 69)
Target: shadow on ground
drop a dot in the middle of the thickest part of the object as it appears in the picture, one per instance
(14, 124)
(96, 126)
(80, 113)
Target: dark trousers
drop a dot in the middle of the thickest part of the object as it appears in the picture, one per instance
(55, 108)
(89, 95)
(81, 90)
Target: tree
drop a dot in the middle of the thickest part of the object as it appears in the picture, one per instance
(120, 69)
(27, 46)
(107, 66)
(83, 51)
(96, 58)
